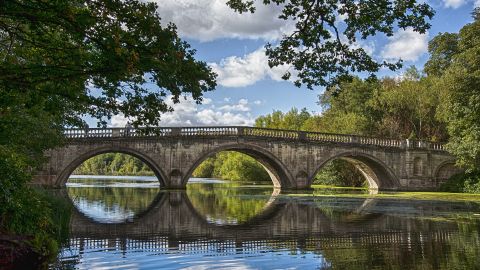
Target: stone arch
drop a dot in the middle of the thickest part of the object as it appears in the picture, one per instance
(67, 171)
(375, 171)
(445, 170)
(279, 174)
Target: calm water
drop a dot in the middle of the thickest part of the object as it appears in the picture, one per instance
(129, 223)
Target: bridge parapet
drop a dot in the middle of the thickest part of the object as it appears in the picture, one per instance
(219, 131)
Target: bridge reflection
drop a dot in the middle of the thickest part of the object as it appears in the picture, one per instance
(172, 217)
(331, 232)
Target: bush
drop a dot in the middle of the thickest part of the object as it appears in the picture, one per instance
(35, 213)
(467, 182)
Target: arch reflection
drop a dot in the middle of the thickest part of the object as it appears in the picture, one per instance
(230, 203)
(173, 214)
(112, 199)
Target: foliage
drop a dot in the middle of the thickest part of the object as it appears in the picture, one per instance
(38, 214)
(408, 108)
(239, 167)
(97, 58)
(467, 182)
(340, 173)
(324, 48)
(461, 94)
(292, 120)
(205, 169)
(442, 48)
(384, 108)
(63, 60)
(113, 164)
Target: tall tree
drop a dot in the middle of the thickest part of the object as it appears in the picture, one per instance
(460, 84)
(61, 60)
(324, 47)
(97, 58)
(293, 119)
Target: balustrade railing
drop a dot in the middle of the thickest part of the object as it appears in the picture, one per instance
(248, 132)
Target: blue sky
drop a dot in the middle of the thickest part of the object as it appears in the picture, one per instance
(232, 44)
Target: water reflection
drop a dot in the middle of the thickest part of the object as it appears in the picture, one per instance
(219, 202)
(112, 199)
(205, 228)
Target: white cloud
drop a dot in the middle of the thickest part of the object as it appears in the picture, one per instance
(188, 113)
(210, 117)
(454, 3)
(118, 120)
(406, 44)
(458, 3)
(206, 101)
(241, 106)
(206, 20)
(257, 102)
(243, 71)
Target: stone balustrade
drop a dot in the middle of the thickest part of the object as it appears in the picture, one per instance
(242, 131)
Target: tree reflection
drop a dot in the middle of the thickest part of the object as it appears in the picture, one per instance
(228, 203)
(111, 204)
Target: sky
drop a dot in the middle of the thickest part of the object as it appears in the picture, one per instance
(233, 45)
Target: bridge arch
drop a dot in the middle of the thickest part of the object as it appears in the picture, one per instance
(444, 171)
(375, 171)
(279, 174)
(68, 170)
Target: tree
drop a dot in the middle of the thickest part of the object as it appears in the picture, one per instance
(292, 119)
(238, 167)
(441, 48)
(461, 106)
(205, 169)
(97, 58)
(408, 108)
(348, 111)
(61, 60)
(324, 46)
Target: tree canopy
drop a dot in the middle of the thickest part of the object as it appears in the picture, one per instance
(97, 58)
(457, 59)
(63, 60)
(324, 46)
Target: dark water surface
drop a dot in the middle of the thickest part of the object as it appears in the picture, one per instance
(129, 223)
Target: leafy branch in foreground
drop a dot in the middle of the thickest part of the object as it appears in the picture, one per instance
(62, 60)
(324, 48)
(97, 58)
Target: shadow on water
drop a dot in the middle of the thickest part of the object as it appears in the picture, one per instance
(243, 226)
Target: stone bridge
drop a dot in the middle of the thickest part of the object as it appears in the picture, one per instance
(292, 158)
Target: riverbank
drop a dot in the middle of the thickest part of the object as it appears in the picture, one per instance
(17, 252)
(31, 236)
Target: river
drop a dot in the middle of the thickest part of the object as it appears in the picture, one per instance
(130, 223)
